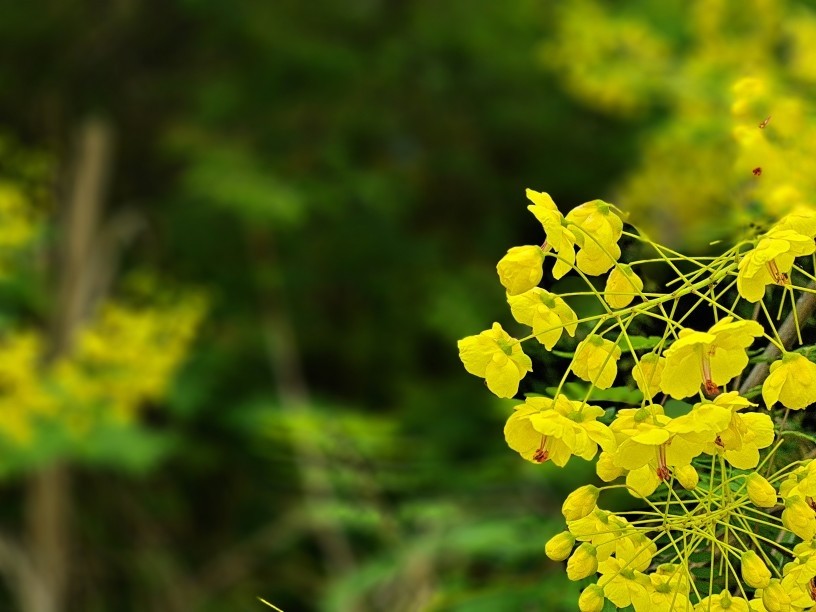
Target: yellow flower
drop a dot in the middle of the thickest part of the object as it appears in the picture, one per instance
(596, 361)
(760, 491)
(710, 358)
(624, 586)
(745, 434)
(597, 232)
(600, 528)
(754, 571)
(580, 502)
(724, 602)
(622, 286)
(591, 599)
(775, 598)
(559, 546)
(545, 430)
(496, 357)
(520, 270)
(771, 262)
(801, 219)
(649, 442)
(583, 562)
(648, 372)
(792, 382)
(545, 312)
(670, 589)
(559, 237)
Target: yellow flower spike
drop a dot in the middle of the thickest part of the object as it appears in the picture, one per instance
(591, 599)
(792, 382)
(760, 491)
(624, 586)
(497, 357)
(771, 262)
(741, 441)
(580, 502)
(559, 547)
(724, 602)
(622, 286)
(521, 269)
(754, 571)
(775, 598)
(583, 562)
(545, 312)
(648, 373)
(710, 358)
(559, 237)
(687, 476)
(597, 232)
(799, 518)
(596, 361)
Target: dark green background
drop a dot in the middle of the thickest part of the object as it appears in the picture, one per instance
(340, 179)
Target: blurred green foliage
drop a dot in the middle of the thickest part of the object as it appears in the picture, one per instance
(338, 179)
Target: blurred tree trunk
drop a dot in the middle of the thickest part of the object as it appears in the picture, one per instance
(48, 502)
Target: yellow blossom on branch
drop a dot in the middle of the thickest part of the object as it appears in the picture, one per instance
(596, 361)
(521, 269)
(622, 286)
(792, 382)
(548, 315)
(771, 262)
(559, 238)
(710, 358)
(497, 357)
(597, 231)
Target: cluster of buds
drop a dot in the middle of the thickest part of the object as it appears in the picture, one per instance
(726, 517)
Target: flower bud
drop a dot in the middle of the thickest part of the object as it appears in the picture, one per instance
(560, 546)
(520, 270)
(591, 599)
(775, 598)
(761, 492)
(580, 502)
(687, 476)
(754, 571)
(583, 562)
(606, 468)
(799, 518)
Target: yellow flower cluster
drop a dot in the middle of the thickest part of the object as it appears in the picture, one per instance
(711, 464)
(680, 58)
(124, 357)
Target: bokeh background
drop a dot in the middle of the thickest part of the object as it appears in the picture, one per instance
(239, 241)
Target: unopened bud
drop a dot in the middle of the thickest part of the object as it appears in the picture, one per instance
(580, 502)
(754, 571)
(687, 476)
(761, 492)
(583, 562)
(560, 546)
(591, 599)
